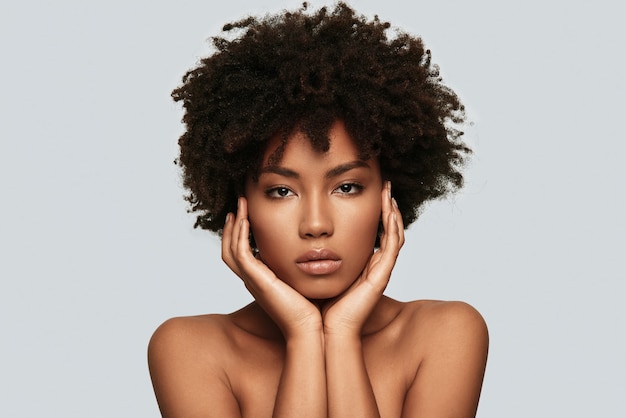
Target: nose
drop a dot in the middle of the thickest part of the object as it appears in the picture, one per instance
(316, 218)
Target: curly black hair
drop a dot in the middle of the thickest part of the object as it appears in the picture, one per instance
(302, 71)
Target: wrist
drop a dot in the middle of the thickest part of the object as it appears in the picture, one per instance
(342, 335)
(305, 342)
(306, 333)
(348, 329)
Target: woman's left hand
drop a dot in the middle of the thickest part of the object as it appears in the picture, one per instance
(346, 314)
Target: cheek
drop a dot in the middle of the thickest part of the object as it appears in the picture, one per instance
(273, 240)
(267, 229)
(367, 214)
(363, 224)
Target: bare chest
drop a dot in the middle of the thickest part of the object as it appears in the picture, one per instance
(256, 371)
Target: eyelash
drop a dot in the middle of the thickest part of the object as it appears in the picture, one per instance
(274, 192)
(356, 188)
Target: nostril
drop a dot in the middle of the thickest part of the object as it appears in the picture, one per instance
(316, 235)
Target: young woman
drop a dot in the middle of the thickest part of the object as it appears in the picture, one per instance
(312, 140)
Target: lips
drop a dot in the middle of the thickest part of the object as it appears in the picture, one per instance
(319, 262)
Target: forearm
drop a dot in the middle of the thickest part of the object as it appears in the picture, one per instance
(302, 388)
(350, 392)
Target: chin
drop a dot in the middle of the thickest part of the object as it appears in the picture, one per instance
(322, 291)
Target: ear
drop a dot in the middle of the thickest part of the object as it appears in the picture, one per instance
(255, 249)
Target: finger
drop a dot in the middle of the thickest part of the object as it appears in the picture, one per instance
(244, 252)
(388, 216)
(243, 224)
(254, 272)
(378, 269)
(236, 251)
(236, 231)
(390, 206)
(242, 208)
(398, 220)
(245, 259)
(227, 237)
(226, 232)
(393, 236)
(386, 208)
(385, 195)
(382, 263)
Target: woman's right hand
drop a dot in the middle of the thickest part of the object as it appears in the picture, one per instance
(292, 312)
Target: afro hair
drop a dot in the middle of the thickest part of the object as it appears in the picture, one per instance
(303, 70)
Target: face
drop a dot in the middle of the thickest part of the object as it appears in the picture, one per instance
(315, 216)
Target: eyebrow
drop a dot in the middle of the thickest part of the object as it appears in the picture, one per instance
(333, 172)
(340, 169)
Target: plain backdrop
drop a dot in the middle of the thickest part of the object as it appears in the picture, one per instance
(96, 247)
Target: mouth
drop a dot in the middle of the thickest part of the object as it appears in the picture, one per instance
(319, 262)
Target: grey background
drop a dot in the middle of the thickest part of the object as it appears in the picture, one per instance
(96, 248)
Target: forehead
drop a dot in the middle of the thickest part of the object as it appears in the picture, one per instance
(297, 148)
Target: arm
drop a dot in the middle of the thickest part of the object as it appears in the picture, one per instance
(449, 378)
(302, 391)
(350, 392)
(302, 387)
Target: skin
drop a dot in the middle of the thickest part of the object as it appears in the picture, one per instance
(322, 340)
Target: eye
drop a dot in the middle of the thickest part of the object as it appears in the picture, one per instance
(278, 192)
(349, 188)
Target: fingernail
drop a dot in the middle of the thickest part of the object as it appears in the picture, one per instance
(228, 215)
(393, 201)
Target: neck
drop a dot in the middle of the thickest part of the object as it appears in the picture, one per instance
(253, 319)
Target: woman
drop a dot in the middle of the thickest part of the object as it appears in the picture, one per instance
(297, 131)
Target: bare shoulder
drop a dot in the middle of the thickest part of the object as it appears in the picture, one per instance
(450, 341)
(202, 339)
(186, 357)
(189, 332)
(446, 321)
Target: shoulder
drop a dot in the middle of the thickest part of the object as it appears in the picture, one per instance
(439, 328)
(199, 345)
(451, 342)
(445, 320)
(187, 346)
(187, 358)
(190, 326)
(424, 329)
(188, 334)
(428, 321)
